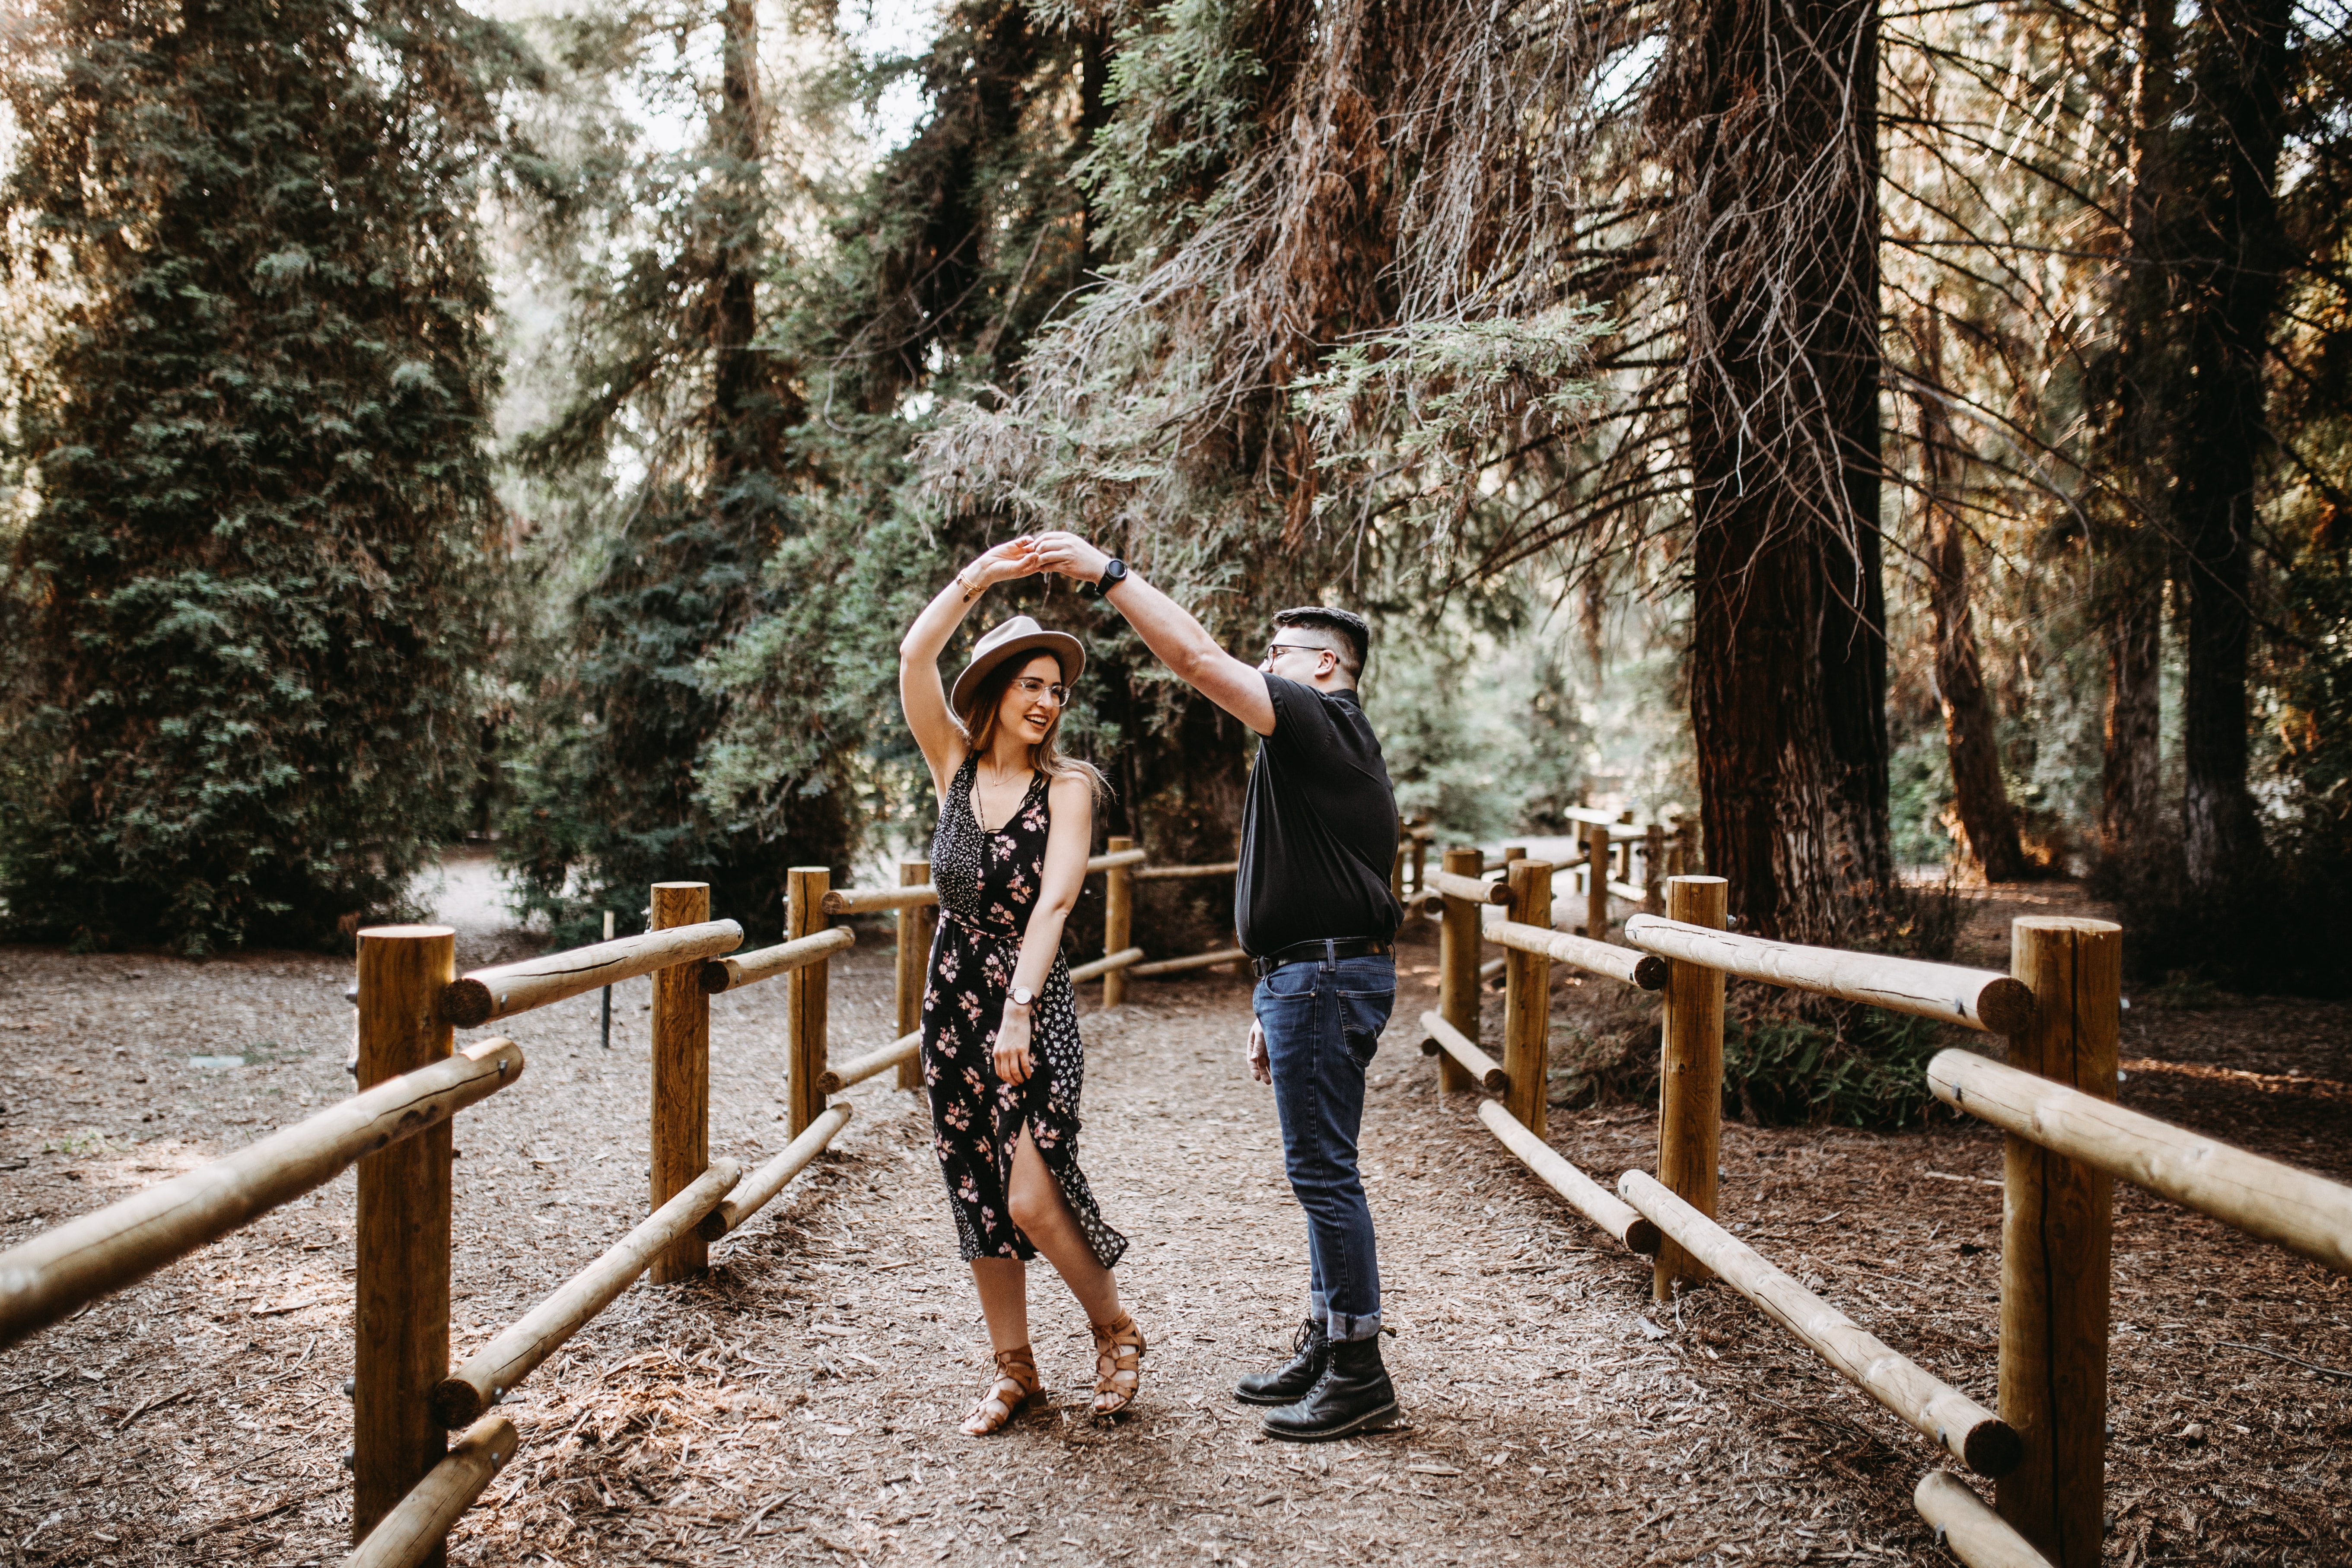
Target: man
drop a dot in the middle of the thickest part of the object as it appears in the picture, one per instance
(1313, 909)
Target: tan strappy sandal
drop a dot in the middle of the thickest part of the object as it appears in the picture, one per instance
(1016, 1380)
(1118, 1363)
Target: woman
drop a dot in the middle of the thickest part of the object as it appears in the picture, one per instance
(1001, 1050)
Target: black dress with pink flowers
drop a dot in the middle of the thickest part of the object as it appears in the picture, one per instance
(988, 885)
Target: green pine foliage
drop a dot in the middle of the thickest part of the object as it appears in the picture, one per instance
(252, 587)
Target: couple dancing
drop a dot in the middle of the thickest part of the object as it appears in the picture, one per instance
(1000, 1039)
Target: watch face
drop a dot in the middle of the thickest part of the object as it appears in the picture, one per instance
(1023, 996)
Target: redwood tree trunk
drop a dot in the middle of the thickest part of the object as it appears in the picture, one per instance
(2131, 791)
(1970, 736)
(746, 414)
(2140, 431)
(1778, 253)
(2235, 252)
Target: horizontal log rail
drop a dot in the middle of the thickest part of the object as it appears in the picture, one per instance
(721, 975)
(56, 1274)
(1958, 1425)
(1125, 958)
(1585, 1196)
(1970, 1530)
(1641, 969)
(873, 900)
(1470, 888)
(1619, 832)
(413, 1529)
(757, 1190)
(493, 1371)
(1978, 998)
(1437, 1035)
(1186, 873)
(857, 1069)
(1196, 961)
(2267, 1199)
(1627, 891)
(488, 995)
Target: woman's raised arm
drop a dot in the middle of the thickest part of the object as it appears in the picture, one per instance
(920, 694)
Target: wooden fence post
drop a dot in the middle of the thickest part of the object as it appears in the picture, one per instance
(915, 926)
(1596, 886)
(1396, 865)
(1457, 968)
(804, 999)
(1654, 869)
(1421, 863)
(1690, 1077)
(1118, 917)
(1687, 859)
(2056, 1230)
(1526, 1000)
(681, 1053)
(401, 1319)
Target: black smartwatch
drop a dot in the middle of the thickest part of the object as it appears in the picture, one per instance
(1112, 574)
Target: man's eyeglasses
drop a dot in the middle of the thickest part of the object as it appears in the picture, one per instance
(1275, 651)
(1031, 688)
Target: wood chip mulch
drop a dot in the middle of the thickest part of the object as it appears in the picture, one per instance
(799, 1404)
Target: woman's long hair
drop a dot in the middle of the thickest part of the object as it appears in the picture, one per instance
(978, 722)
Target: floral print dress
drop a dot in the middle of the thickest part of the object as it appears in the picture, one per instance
(988, 885)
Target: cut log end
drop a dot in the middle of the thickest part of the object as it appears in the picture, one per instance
(1495, 1080)
(1650, 973)
(1992, 1449)
(1642, 1237)
(718, 1222)
(455, 1402)
(467, 1004)
(834, 904)
(714, 977)
(2006, 1007)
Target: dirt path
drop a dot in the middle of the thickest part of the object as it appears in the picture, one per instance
(798, 1405)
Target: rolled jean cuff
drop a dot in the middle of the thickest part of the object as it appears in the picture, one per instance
(1341, 1325)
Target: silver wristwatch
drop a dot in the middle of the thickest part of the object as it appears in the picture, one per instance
(1022, 996)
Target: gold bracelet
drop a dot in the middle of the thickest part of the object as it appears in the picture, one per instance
(971, 591)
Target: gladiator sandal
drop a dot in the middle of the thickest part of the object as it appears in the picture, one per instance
(1118, 1365)
(1016, 1380)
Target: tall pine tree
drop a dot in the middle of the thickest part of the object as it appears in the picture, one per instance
(252, 587)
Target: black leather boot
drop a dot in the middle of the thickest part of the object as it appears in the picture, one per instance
(1354, 1395)
(1292, 1381)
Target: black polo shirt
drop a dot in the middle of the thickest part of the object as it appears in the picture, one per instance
(1318, 826)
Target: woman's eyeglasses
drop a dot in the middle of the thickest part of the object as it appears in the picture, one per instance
(1031, 688)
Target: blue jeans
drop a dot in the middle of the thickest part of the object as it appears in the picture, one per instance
(1322, 1021)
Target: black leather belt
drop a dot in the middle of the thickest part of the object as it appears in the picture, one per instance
(1330, 949)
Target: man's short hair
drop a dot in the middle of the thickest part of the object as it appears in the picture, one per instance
(1352, 629)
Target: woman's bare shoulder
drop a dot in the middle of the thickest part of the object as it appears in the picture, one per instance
(1071, 791)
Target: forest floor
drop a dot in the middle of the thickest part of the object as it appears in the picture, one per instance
(799, 1404)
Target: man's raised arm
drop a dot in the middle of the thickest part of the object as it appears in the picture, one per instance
(1169, 630)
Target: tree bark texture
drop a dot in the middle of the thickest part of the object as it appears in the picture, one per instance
(1777, 252)
(2235, 253)
(1969, 731)
(2131, 390)
(2131, 792)
(746, 408)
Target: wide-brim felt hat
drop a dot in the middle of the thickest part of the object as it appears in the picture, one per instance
(1012, 638)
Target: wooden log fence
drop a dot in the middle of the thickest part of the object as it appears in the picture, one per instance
(56, 1274)
(2067, 1143)
(410, 1483)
